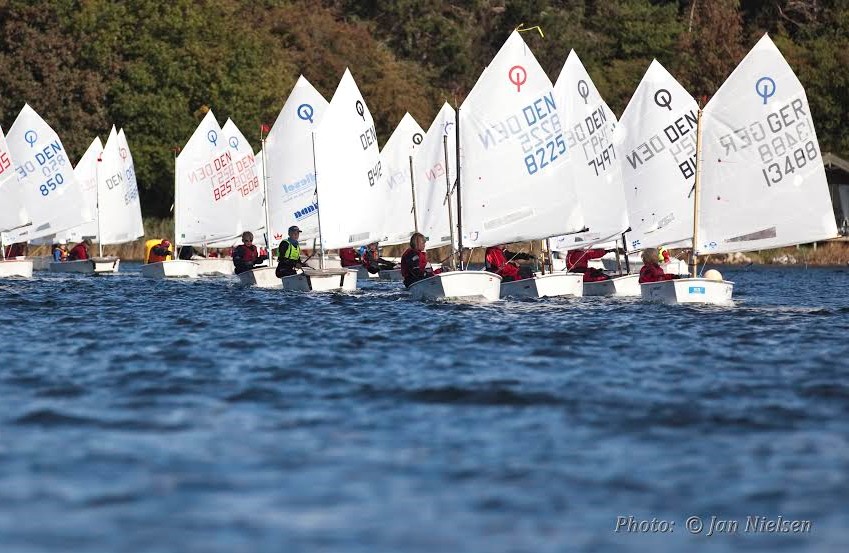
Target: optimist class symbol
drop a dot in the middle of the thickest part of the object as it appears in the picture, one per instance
(123, 152)
(583, 90)
(417, 138)
(518, 76)
(30, 137)
(212, 136)
(445, 127)
(360, 110)
(305, 112)
(234, 142)
(768, 89)
(663, 98)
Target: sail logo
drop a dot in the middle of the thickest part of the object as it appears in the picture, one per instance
(518, 75)
(307, 182)
(583, 90)
(766, 91)
(663, 99)
(305, 212)
(305, 112)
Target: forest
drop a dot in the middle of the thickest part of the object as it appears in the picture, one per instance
(156, 68)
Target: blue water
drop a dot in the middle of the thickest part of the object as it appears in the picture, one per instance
(200, 416)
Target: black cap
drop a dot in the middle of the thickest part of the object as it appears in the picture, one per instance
(294, 228)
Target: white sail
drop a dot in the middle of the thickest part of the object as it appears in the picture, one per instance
(289, 162)
(762, 182)
(516, 181)
(397, 205)
(131, 199)
(86, 173)
(249, 213)
(52, 198)
(349, 173)
(118, 195)
(656, 143)
(588, 128)
(207, 195)
(430, 167)
(13, 214)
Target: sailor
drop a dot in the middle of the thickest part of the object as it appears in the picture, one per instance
(60, 252)
(500, 261)
(577, 261)
(289, 254)
(245, 255)
(160, 252)
(414, 261)
(80, 251)
(349, 257)
(372, 260)
(651, 270)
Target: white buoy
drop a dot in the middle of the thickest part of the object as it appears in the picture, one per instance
(713, 274)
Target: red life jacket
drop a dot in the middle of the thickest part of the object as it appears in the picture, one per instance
(78, 252)
(248, 253)
(653, 273)
(498, 264)
(577, 261)
(348, 257)
(407, 262)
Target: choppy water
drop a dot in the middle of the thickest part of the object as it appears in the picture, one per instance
(199, 416)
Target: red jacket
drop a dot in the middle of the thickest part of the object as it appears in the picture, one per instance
(577, 261)
(497, 263)
(652, 272)
(80, 251)
(348, 257)
(414, 266)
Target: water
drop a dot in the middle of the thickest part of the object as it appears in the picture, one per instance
(199, 416)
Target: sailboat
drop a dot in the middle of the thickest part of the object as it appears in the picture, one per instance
(289, 175)
(760, 181)
(398, 205)
(589, 126)
(656, 144)
(12, 215)
(51, 198)
(116, 204)
(348, 173)
(203, 198)
(515, 170)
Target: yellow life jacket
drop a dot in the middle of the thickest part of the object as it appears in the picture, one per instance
(149, 245)
(292, 252)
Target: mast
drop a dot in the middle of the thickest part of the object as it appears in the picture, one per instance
(97, 201)
(448, 203)
(265, 200)
(625, 251)
(413, 188)
(318, 212)
(459, 205)
(176, 211)
(696, 195)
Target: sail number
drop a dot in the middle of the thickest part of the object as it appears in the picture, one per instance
(604, 160)
(5, 163)
(542, 157)
(374, 174)
(797, 159)
(50, 162)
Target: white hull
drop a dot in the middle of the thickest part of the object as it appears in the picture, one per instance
(465, 285)
(543, 286)
(175, 268)
(93, 266)
(328, 280)
(689, 290)
(392, 275)
(623, 286)
(215, 267)
(262, 277)
(16, 268)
